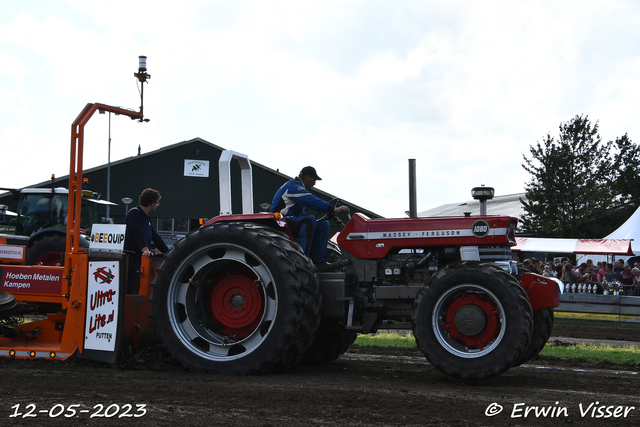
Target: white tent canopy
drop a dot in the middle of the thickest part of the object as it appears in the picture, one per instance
(629, 230)
(545, 245)
(620, 242)
(574, 246)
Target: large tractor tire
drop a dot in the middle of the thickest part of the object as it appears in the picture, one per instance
(48, 250)
(236, 298)
(472, 320)
(542, 326)
(311, 303)
(331, 342)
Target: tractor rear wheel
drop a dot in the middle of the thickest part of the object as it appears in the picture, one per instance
(311, 303)
(472, 320)
(47, 251)
(229, 298)
(542, 326)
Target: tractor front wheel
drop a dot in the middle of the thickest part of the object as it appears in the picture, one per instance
(542, 326)
(472, 320)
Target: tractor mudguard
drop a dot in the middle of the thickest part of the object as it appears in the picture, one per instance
(274, 221)
(542, 291)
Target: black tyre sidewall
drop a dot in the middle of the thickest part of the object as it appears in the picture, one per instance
(311, 300)
(542, 326)
(55, 243)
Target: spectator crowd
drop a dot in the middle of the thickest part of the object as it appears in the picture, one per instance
(588, 273)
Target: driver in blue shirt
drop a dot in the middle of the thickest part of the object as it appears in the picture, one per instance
(292, 201)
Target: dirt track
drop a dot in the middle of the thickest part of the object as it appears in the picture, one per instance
(359, 389)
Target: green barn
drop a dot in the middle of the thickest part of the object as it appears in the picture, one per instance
(187, 176)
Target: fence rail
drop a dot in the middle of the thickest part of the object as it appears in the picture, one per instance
(614, 308)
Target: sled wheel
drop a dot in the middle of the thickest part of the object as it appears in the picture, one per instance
(472, 320)
(47, 251)
(228, 298)
(331, 342)
(542, 326)
(8, 305)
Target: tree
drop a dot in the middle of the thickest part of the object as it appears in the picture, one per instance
(627, 168)
(570, 192)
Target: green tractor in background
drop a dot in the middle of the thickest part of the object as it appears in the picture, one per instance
(42, 219)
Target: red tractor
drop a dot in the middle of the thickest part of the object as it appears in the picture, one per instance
(239, 296)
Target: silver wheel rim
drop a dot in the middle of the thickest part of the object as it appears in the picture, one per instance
(186, 299)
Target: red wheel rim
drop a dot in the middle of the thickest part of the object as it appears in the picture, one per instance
(50, 258)
(481, 303)
(237, 303)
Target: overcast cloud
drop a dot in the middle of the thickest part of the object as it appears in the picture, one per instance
(354, 88)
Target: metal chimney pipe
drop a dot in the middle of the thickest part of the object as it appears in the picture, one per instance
(413, 209)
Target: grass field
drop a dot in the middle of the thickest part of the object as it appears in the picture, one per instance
(387, 340)
(593, 354)
(627, 356)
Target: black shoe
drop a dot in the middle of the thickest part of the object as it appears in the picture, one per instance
(325, 267)
(332, 266)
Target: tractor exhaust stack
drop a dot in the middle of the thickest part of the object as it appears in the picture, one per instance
(413, 210)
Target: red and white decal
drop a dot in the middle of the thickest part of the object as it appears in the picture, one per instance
(101, 323)
(31, 280)
(422, 234)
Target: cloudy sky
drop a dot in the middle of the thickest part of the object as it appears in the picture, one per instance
(354, 88)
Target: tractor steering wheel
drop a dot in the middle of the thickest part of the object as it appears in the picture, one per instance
(335, 202)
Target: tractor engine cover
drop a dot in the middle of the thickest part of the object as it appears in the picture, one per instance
(367, 238)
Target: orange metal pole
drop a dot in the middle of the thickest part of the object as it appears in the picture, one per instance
(75, 262)
(75, 173)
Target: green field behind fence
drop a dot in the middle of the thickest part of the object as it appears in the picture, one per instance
(604, 354)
